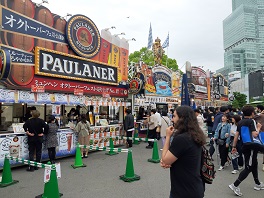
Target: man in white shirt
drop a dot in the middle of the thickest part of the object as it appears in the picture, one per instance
(199, 118)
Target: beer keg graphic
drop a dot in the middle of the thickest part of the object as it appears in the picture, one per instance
(21, 75)
(59, 23)
(7, 3)
(44, 15)
(44, 43)
(18, 41)
(61, 48)
(25, 7)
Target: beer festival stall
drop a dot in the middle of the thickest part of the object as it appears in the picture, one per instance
(154, 87)
(56, 65)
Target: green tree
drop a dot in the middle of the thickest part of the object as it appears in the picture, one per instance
(147, 57)
(239, 100)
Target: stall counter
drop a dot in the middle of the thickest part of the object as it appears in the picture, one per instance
(15, 144)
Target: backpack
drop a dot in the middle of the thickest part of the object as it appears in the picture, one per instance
(207, 167)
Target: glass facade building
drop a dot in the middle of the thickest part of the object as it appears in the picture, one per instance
(243, 32)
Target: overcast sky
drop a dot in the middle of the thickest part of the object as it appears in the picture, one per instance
(195, 27)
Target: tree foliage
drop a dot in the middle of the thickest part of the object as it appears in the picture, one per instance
(239, 100)
(147, 57)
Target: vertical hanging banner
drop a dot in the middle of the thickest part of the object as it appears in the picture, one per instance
(115, 53)
(106, 40)
(176, 83)
(124, 52)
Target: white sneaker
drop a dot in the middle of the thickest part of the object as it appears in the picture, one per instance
(228, 163)
(240, 167)
(235, 172)
(221, 168)
(236, 190)
(259, 187)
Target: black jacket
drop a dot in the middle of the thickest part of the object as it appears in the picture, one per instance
(129, 122)
(36, 126)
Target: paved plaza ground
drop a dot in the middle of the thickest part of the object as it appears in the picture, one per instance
(100, 179)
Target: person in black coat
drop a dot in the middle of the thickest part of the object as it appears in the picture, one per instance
(129, 126)
(35, 128)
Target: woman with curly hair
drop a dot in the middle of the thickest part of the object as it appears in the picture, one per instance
(183, 155)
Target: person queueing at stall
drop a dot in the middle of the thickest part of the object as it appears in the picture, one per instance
(51, 138)
(153, 123)
(28, 113)
(129, 127)
(83, 129)
(35, 127)
(248, 131)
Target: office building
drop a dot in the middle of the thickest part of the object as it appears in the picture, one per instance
(243, 32)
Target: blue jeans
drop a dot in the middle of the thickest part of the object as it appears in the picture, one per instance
(238, 161)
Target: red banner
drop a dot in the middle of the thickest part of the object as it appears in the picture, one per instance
(78, 92)
(60, 85)
(37, 89)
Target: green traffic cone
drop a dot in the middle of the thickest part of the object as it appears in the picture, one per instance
(129, 176)
(155, 154)
(78, 158)
(135, 136)
(111, 152)
(51, 188)
(7, 179)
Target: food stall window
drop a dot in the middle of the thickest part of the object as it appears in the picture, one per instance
(6, 117)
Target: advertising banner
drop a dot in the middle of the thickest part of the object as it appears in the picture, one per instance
(219, 87)
(7, 95)
(60, 65)
(199, 83)
(162, 80)
(106, 39)
(26, 97)
(55, 84)
(43, 98)
(124, 53)
(60, 99)
(19, 56)
(16, 22)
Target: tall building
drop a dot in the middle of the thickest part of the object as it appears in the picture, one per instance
(243, 32)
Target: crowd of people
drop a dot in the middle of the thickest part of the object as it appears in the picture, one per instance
(39, 132)
(235, 134)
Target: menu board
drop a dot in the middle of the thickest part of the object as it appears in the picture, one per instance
(100, 135)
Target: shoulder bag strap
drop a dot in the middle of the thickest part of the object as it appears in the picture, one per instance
(165, 121)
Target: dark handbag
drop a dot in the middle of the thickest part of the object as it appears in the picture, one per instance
(220, 142)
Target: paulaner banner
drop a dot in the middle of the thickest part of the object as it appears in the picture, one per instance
(60, 65)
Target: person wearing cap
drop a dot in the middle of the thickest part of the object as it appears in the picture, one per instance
(51, 138)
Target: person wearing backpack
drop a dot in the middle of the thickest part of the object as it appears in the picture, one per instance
(184, 154)
(248, 131)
